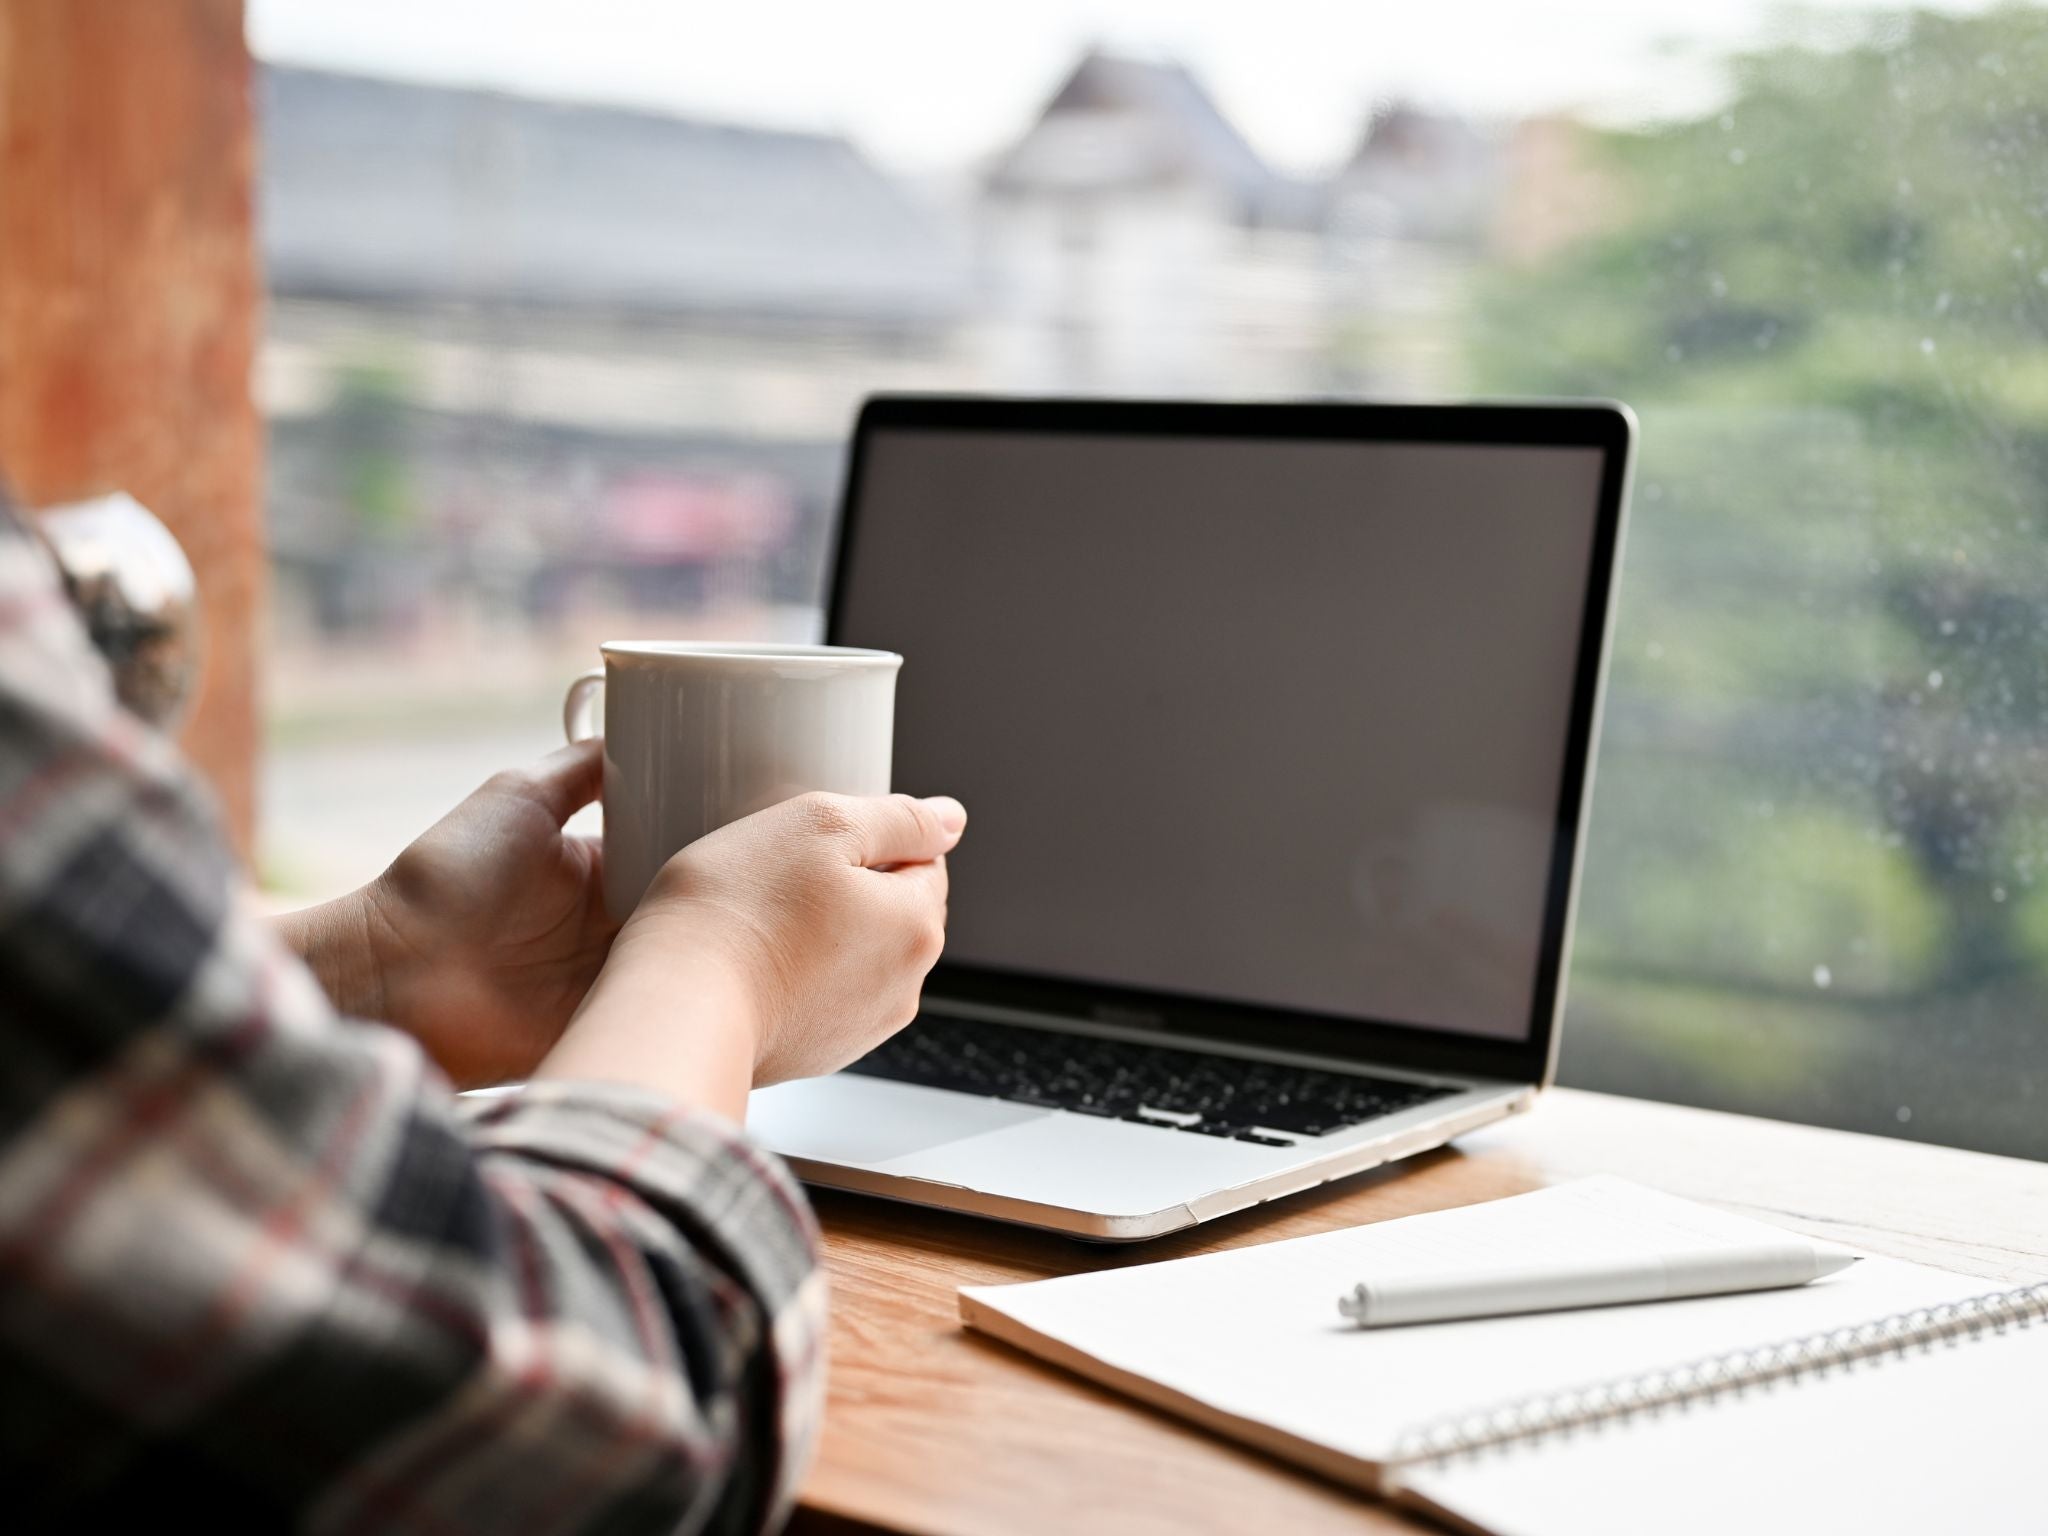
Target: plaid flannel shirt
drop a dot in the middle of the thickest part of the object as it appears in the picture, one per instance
(260, 1267)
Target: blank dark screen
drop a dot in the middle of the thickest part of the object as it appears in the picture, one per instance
(1266, 721)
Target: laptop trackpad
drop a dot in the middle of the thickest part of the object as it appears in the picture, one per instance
(850, 1119)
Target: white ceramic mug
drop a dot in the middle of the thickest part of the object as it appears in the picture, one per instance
(700, 734)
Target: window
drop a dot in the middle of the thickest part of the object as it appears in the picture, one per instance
(543, 371)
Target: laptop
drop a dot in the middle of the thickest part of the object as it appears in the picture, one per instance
(1275, 727)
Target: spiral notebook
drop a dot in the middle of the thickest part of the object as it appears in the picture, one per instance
(1870, 1401)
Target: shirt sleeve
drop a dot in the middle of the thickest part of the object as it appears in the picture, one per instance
(260, 1262)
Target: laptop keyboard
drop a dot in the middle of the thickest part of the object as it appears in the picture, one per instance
(1154, 1085)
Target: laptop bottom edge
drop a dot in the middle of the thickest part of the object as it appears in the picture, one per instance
(1126, 1227)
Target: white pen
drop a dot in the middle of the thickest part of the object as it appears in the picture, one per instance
(1555, 1284)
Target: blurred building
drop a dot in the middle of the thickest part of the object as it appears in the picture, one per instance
(1554, 191)
(510, 341)
(1419, 175)
(526, 355)
(1131, 240)
(1411, 216)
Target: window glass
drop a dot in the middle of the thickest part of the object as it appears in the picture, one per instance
(566, 330)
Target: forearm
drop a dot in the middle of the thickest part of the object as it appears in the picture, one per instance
(674, 1020)
(333, 940)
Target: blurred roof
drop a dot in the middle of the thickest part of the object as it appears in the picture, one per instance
(1119, 123)
(383, 190)
(1422, 174)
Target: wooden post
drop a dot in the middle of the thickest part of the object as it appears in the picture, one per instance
(128, 306)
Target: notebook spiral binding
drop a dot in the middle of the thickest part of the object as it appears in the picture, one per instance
(1739, 1370)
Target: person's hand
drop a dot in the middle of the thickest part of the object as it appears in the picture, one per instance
(482, 938)
(784, 945)
(833, 907)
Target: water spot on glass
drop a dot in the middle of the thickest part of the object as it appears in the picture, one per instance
(1942, 301)
(1674, 352)
(1823, 977)
(1927, 345)
(1948, 626)
(1654, 650)
(1717, 285)
(1905, 187)
(1727, 122)
(1998, 893)
(1934, 679)
(1905, 1114)
(1737, 155)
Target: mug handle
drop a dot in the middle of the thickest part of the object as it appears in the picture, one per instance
(577, 716)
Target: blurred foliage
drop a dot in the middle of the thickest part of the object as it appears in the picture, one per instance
(1748, 891)
(372, 414)
(1825, 775)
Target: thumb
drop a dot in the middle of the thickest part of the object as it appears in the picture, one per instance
(567, 779)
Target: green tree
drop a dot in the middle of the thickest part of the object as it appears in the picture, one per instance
(372, 413)
(1826, 774)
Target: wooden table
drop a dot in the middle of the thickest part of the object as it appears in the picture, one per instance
(933, 1430)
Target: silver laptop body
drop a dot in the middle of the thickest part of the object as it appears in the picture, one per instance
(1275, 725)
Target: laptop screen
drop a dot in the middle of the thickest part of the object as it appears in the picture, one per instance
(1267, 721)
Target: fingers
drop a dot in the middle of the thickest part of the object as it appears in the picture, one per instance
(920, 889)
(896, 829)
(566, 780)
(924, 884)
